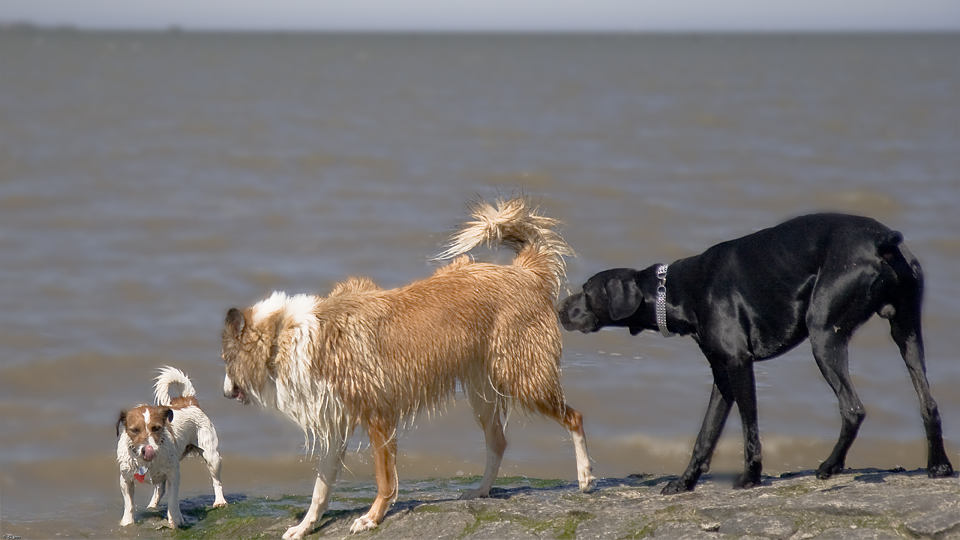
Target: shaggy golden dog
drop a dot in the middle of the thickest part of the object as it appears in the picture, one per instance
(376, 358)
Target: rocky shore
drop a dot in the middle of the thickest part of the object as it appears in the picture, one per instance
(856, 505)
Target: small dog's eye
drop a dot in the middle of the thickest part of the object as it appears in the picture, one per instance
(155, 429)
(135, 430)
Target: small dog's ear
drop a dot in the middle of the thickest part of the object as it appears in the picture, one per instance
(168, 414)
(122, 421)
(624, 298)
(235, 323)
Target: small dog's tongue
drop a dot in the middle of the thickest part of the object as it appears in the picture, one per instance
(149, 453)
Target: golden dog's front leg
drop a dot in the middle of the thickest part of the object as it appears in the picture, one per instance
(384, 445)
(327, 472)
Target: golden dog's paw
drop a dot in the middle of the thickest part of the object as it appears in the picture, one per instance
(587, 483)
(363, 523)
(295, 533)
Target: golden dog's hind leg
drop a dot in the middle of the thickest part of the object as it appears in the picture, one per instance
(488, 414)
(384, 443)
(573, 421)
(327, 472)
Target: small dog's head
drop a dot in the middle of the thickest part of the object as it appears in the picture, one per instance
(609, 298)
(147, 427)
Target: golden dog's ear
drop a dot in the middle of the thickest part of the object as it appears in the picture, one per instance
(624, 297)
(234, 324)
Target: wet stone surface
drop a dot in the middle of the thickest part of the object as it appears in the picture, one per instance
(857, 505)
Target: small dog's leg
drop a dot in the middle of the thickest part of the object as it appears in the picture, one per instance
(158, 492)
(173, 500)
(208, 443)
(384, 443)
(213, 465)
(327, 471)
(573, 421)
(126, 489)
(717, 412)
(488, 415)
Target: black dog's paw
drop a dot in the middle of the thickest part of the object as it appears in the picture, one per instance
(747, 481)
(677, 486)
(940, 470)
(750, 477)
(827, 470)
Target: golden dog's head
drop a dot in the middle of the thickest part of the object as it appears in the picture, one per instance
(259, 341)
(246, 355)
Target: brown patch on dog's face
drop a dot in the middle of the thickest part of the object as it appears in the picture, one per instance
(244, 348)
(146, 426)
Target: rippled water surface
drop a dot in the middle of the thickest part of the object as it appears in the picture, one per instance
(149, 182)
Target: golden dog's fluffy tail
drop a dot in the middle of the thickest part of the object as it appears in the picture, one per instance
(515, 224)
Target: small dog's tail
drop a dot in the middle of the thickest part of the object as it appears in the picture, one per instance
(516, 224)
(168, 377)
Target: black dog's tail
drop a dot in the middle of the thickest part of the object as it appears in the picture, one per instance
(903, 306)
(894, 252)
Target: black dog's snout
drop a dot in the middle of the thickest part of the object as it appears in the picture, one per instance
(574, 315)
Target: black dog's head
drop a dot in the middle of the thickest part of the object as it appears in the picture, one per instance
(609, 298)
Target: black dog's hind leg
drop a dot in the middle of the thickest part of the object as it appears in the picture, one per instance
(905, 329)
(721, 399)
(911, 348)
(830, 351)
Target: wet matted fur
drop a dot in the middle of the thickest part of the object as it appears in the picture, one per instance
(375, 358)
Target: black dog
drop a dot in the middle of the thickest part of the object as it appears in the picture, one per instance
(819, 276)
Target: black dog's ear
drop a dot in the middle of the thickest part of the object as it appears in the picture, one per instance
(624, 298)
(122, 421)
(235, 323)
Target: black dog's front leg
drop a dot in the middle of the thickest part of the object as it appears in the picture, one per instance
(745, 394)
(716, 417)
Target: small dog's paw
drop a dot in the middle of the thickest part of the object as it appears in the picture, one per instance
(127, 520)
(175, 521)
(219, 504)
(363, 523)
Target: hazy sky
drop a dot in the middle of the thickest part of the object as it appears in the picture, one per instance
(479, 15)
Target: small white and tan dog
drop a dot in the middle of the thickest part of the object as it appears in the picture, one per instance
(155, 438)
